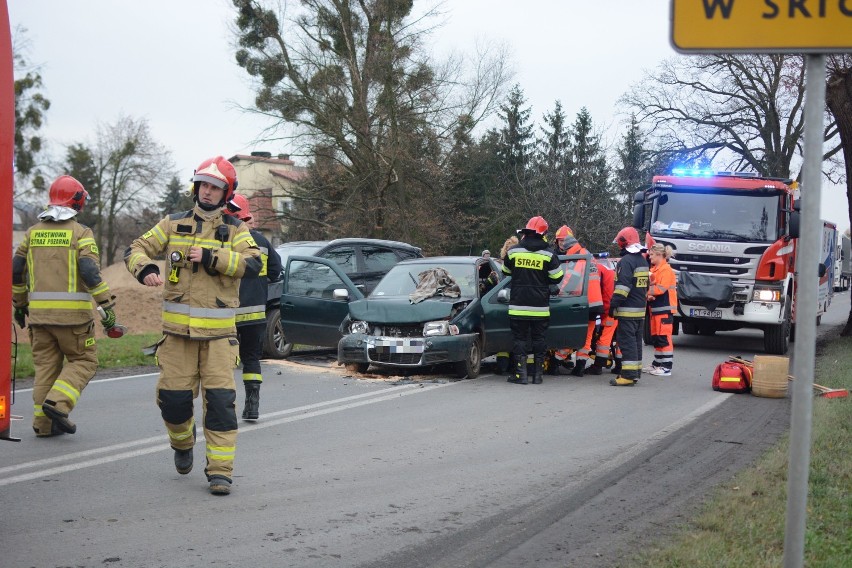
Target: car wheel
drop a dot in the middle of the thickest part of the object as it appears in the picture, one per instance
(473, 362)
(357, 367)
(275, 345)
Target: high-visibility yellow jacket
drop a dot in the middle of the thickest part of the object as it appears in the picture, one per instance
(56, 273)
(199, 301)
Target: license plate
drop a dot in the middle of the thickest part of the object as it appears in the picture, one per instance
(393, 345)
(715, 314)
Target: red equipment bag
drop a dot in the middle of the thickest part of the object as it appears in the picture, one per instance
(731, 376)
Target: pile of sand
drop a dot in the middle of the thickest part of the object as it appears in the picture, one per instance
(137, 306)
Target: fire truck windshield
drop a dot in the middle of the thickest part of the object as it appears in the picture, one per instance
(718, 216)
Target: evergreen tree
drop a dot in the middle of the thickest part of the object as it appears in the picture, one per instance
(177, 197)
(515, 146)
(635, 168)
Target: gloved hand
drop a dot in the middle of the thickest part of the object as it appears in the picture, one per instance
(21, 316)
(108, 318)
(554, 289)
(611, 312)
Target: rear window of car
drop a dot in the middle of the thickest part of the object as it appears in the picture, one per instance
(378, 259)
(285, 251)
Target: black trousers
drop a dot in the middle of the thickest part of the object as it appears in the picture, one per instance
(628, 334)
(251, 350)
(528, 336)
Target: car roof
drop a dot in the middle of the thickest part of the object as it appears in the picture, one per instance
(444, 260)
(355, 241)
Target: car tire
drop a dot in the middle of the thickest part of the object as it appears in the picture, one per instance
(275, 345)
(359, 368)
(472, 364)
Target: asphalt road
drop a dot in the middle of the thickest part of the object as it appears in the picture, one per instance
(383, 471)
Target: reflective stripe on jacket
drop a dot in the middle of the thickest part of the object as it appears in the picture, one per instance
(662, 293)
(629, 298)
(56, 273)
(198, 302)
(533, 268)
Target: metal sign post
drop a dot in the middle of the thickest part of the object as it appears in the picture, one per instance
(745, 26)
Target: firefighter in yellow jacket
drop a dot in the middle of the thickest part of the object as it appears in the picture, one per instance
(55, 275)
(207, 253)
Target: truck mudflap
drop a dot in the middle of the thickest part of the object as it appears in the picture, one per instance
(703, 290)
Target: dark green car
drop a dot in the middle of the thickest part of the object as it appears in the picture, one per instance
(387, 329)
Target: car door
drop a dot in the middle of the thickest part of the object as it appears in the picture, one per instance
(569, 312)
(310, 314)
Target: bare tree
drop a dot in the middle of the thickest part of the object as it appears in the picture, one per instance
(743, 111)
(127, 172)
(838, 95)
(355, 78)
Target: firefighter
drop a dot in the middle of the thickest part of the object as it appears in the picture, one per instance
(573, 286)
(56, 274)
(207, 253)
(251, 315)
(603, 347)
(629, 300)
(536, 273)
(662, 302)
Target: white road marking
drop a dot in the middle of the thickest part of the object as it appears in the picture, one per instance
(156, 444)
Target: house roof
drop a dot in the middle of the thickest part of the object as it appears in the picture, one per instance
(295, 175)
(283, 159)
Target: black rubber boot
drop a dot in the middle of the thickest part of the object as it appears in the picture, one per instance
(538, 368)
(579, 368)
(520, 375)
(594, 369)
(59, 418)
(502, 364)
(616, 367)
(252, 408)
(183, 461)
(219, 485)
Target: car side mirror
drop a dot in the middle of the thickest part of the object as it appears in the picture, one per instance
(503, 296)
(822, 270)
(340, 294)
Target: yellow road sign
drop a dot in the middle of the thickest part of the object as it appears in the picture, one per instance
(759, 26)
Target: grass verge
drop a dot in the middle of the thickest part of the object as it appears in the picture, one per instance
(124, 352)
(743, 523)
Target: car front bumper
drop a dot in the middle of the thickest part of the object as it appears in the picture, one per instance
(404, 352)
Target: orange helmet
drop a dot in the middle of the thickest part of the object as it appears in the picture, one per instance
(627, 238)
(219, 172)
(68, 192)
(239, 207)
(536, 225)
(564, 231)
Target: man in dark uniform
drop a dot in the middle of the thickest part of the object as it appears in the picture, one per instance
(628, 305)
(251, 315)
(536, 272)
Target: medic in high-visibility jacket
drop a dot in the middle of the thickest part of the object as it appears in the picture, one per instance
(608, 323)
(662, 303)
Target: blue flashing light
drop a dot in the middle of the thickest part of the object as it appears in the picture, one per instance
(694, 172)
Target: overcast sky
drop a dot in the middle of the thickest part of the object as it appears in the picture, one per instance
(172, 62)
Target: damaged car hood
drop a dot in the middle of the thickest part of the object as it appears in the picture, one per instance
(398, 309)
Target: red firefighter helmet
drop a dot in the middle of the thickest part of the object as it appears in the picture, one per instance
(219, 172)
(536, 225)
(68, 192)
(564, 231)
(239, 207)
(628, 238)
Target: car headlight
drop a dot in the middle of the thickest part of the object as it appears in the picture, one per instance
(359, 327)
(767, 294)
(436, 328)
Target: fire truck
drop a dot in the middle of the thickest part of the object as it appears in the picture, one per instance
(734, 236)
(7, 150)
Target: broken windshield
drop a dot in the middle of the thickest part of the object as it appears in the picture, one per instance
(723, 216)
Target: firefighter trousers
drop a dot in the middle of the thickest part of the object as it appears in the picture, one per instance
(661, 339)
(56, 379)
(603, 347)
(628, 334)
(251, 350)
(528, 336)
(186, 366)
